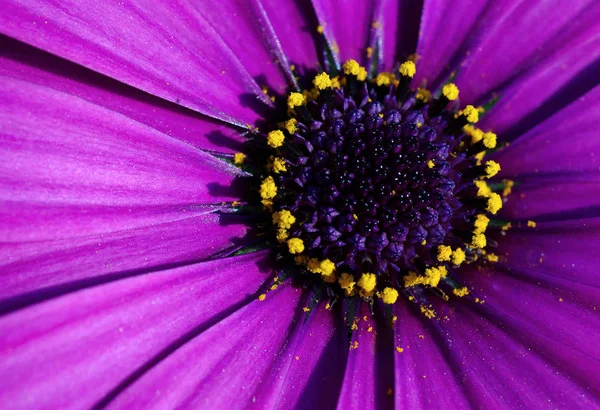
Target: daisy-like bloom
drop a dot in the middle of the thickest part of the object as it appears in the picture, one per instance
(272, 204)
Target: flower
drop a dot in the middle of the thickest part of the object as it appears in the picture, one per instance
(133, 275)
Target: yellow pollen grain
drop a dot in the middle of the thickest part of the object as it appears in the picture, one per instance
(322, 81)
(239, 158)
(494, 203)
(313, 265)
(367, 282)
(268, 204)
(481, 223)
(347, 282)
(370, 329)
(389, 296)
(268, 189)
(489, 140)
(306, 309)
(295, 245)
(354, 346)
(335, 82)
(461, 292)
(275, 138)
(506, 226)
(508, 185)
(290, 125)
(320, 29)
(278, 165)
(262, 297)
(458, 256)
(284, 219)
(369, 52)
(479, 241)
(351, 67)
(330, 278)
(531, 224)
(491, 168)
(444, 253)
(399, 349)
(408, 69)
(429, 313)
(450, 91)
(430, 164)
(483, 190)
(295, 100)
(362, 74)
(282, 235)
(471, 113)
(492, 257)
(423, 95)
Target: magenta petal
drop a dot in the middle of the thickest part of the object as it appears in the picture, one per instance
(295, 25)
(425, 376)
(511, 37)
(224, 365)
(519, 362)
(166, 49)
(567, 142)
(369, 381)
(29, 64)
(77, 349)
(308, 373)
(445, 25)
(347, 25)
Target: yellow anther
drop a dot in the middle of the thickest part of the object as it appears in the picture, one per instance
(494, 203)
(481, 223)
(327, 267)
(471, 113)
(450, 91)
(335, 82)
(367, 282)
(284, 219)
(268, 189)
(383, 79)
(458, 256)
(262, 297)
(320, 29)
(479, 241)
(290, 125)
(408, 69)
(483, 189)
(423, 95)
(278, 165)
(491, 168)
(355, 217)
(429, 313)
(347, 282)
(362, 74)
(489, 140)
(322, 81)
(531, 224)
(275, 138)
(461, 292)
(295, 245)
(389, 296)
(239, 158)
(492, 257)
(282, 235)
(444, 253)
(430, 164)
(295, 100)
(351, 67)
(475, 133)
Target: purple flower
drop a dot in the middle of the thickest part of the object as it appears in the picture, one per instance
(145, 264)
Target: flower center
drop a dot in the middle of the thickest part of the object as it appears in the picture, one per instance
(374, 188)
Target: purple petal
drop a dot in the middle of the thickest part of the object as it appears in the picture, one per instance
(565, 143)
(369, 381)
(309, 371)
(569, 70)
(425, 377)
(516, 345)
(29, 64)
(511, 37)
(445, 25)
(399, 28)
(81, 348)
(566, 250)
(347, 26)
(295, 24)
(225, 364)
(166, 49)
(246, 30)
